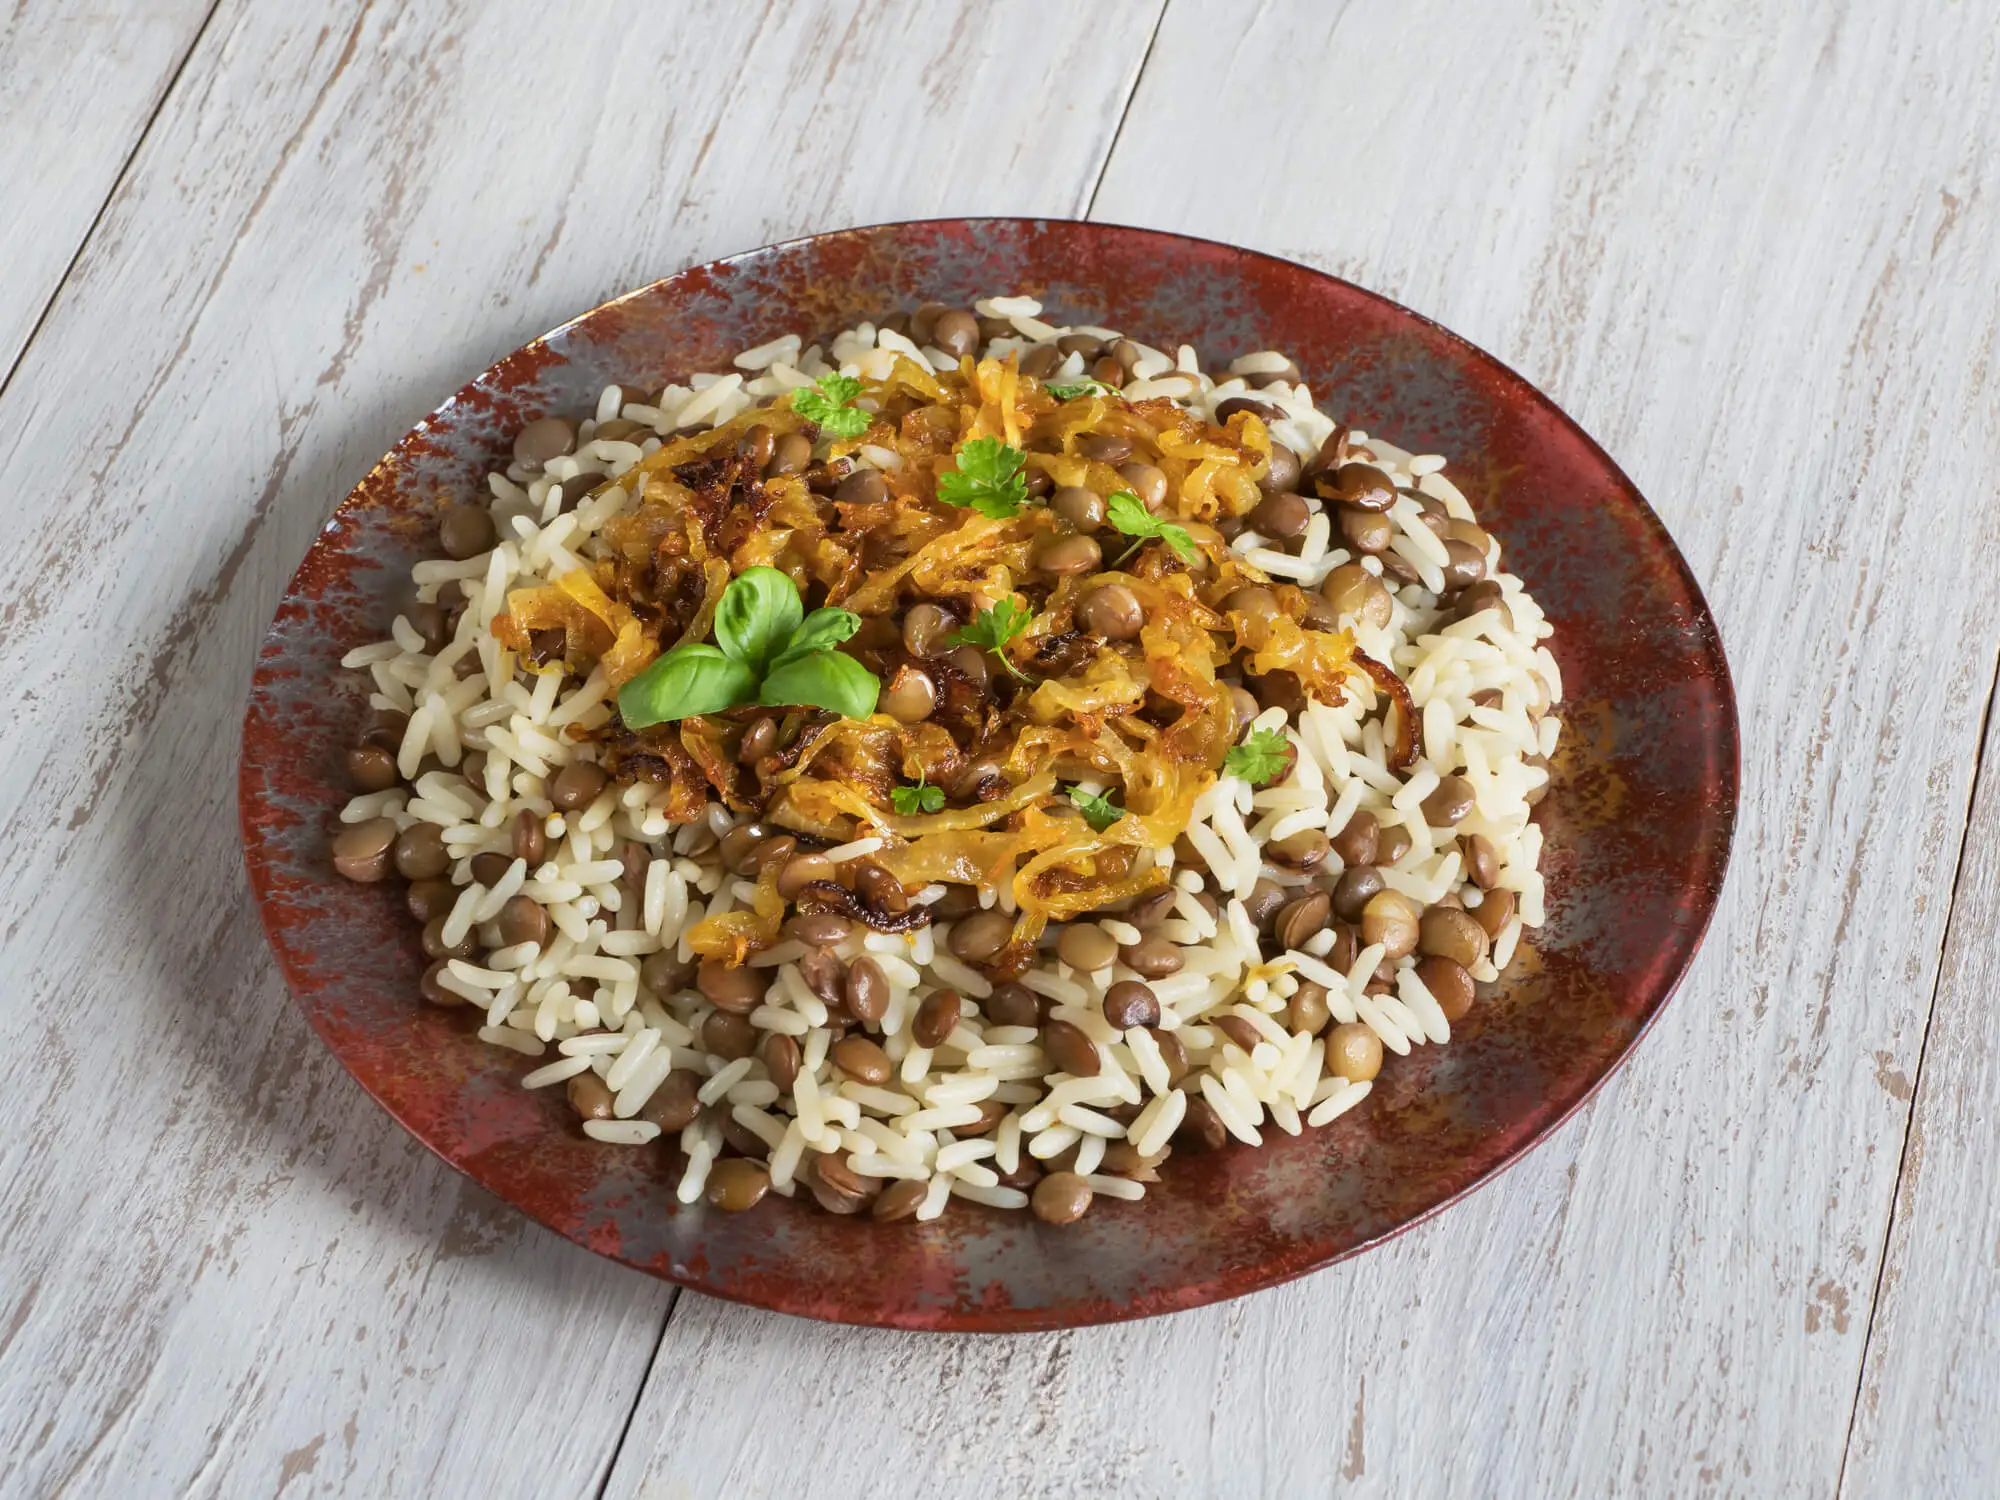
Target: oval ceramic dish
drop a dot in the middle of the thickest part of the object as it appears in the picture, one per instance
(1637, 822)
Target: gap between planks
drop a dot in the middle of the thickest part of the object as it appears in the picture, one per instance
(1090, 204)
(111, 192)
(1917, 1073)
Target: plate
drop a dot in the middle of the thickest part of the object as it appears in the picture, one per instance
(1637, 823)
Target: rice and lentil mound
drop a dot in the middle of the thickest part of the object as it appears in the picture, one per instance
(1096, 758)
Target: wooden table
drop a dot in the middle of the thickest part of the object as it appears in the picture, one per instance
(1753, 248)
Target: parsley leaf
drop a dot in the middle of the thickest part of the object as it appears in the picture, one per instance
(1070, 390)
(827, 404)
(994, 628)
(921, 798)
(1263, 757)
(1125, 512)
(988, 479)
(1098, 810)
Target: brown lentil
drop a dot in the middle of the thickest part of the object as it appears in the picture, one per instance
(1357, 886)
(1448, 932)
(1366, 530)
(363, 851)
(489, 869)
(862, 1060)
(1281, 515)
(727, 1035)
(1082, 508)
(1104, 447)
(1086, 947)
(523, 920)
(1482, 861)
(1060, 1198)
(1450, 985)
(819, 929)
(429, 988)
(675, 1104)
(590, 1097)
(800, 870)
(780, 1056)
(1152, 957)
(981, 936)
(530, 839)
(899, 1200)
(1071, 1050)
(1303, 918)
(1304, 852)
(1495, 912)
(936, 1018)
(1238, 1030)
(740, 989)
(576, 786)
(1067, 555)
(420, 853)
(1112, 611)
(430, 898)
(1358, 595)
(1129, 1003)
(435, 946)
(1266, 899)
(955, 332)
(542, 440)
(1013, 1005)
(465, 531)
(736, 1183)
(1201, 1129)
(867, 990)
(1146, 481)
(1448, 805)
(371, 768)
(1284, 472)
(1356, 844)
(1354, 1052)
(1307, 1009)
(1390, 919)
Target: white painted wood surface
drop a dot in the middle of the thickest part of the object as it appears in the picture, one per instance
(79, 79)
(1753, 249)
(225, 1271)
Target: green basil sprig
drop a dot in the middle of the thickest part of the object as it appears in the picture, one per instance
(768, 650)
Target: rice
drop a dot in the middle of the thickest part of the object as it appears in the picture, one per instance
(577, 994)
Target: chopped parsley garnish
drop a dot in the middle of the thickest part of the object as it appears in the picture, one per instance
(1125, 511)
(988, 479)
(1098, 810)
(1263, 757)
(827, 404)
(921, 798)
(994, 628)
(1070, 390)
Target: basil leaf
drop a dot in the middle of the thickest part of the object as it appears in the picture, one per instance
(821, 630)
(755, 615)
(690, 679)
(823, 679)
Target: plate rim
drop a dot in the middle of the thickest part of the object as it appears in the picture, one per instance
(1225, 1285)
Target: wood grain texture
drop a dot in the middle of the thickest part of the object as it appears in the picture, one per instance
(227, 1272)
(1931, 1383)
(79, 79)
(1752, 251)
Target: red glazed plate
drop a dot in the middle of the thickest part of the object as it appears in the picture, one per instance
(1637, 824)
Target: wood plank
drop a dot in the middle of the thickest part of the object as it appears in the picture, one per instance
(80, 82)
(227, 1272)
(1931, 1382)
(1752, 251)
